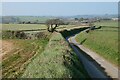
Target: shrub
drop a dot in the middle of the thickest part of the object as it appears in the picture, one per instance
(13, 35)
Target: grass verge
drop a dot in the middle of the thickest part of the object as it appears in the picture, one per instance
(105, 43)
(57, 61)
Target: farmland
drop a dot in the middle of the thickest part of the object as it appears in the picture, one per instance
(48, 55)
(20, 19)
(15, 27)
(57, 61)
(103, 41)
(109, 23)
(44, 57)
(59, 40)
(22, 27)
(33, 19)
(15, 60)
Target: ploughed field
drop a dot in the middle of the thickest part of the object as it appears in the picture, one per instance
(18, 54)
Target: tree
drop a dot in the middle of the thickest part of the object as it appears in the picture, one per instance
(36, 22)
(52, 24)
(76, 19)
(81, 19)
(28, 22)
(19, 34)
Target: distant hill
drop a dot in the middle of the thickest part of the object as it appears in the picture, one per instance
(42, 19)
(18, 19)
(93, 16)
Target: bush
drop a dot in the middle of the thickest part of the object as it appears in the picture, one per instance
(43, 35)
(13, 35)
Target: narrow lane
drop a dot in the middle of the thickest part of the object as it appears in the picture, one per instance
(104, 70)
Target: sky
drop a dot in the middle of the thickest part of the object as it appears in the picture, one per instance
(59, 0)
(58, 8)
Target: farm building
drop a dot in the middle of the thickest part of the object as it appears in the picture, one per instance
(115, 19)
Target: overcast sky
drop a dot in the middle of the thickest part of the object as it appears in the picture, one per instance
(58, 8)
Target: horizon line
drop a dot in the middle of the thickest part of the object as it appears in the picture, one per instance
(61, 15)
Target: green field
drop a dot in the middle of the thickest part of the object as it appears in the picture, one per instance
(23, 26)
(33, 19)
(103, 41)
(15, 27)
(20, 19)
(109, 23)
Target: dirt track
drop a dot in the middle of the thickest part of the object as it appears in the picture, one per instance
(5, 47)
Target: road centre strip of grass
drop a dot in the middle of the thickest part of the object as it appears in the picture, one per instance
(57, 61)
